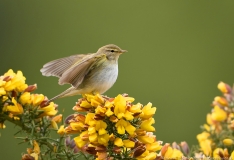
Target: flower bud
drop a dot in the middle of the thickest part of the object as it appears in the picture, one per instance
(57, 118)
(98, 117)
(7, 78)
(91, 150)
(54, 124)
(117, 150)
(164, 149)
(220, 100)
(228, 142)
(85, 137)
(113, 119)
(225, 88)
(27, 157)
(69, 118)
(175, 146)
(139, 151)
(31, 88)
(61, 130)
(100, 148)
(185, 147)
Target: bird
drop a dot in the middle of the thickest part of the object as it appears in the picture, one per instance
(87, 73)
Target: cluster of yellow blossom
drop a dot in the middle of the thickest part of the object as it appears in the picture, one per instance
(113, 128)
(16, 99)
(219, 130)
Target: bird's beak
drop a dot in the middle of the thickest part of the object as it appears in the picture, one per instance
(123, 51)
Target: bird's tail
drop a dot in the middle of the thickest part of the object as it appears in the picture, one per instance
(69, 92)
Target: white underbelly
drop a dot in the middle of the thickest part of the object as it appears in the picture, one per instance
(102, 80)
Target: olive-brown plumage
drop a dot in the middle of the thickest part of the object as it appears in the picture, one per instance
(87, 73)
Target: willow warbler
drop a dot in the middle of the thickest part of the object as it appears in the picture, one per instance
(87, 73)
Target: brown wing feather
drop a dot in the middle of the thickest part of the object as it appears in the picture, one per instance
(78, 71)
(59, 66)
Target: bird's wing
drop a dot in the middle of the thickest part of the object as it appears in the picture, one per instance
(76, 73)
(59, 66)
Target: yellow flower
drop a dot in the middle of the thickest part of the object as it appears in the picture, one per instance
(100, 110)
(85, 104)
(135, 108)
(120, 106)
(118, 142)
(217, 153)
(89, 119)
(25, 98)
(109, 112)
(218, 114)
(36, 148)
(123, 125)
(97, 100)
(221, 100)
(129, 99)
(49, 110)
(128, 116)
(209, 119)
(54, 124)
(93, 137)
(147, 156)
(100, 127)
(61, 130)
(14, 109)
(146, 139)
(57, 118)
(103, 139)
(130, 129)
(78, 140)
(223, 87)
(77, 126)
(128, 143)
(205, 143)
(2, 91)
(232, 156)
(173, 154)
(147, 111)
(206, 127)
(153, 147)
(151, 156)
(2, 83)
(17, 81)
(147, 125)
(228, 142)
(37, 99)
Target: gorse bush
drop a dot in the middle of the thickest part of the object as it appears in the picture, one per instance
(105, 128)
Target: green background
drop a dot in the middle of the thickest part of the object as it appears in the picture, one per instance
(178, 51)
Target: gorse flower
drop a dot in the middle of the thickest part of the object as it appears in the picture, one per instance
(105, 128)
(28, 111)
(16, 99)
(116, 125)
(217, 139)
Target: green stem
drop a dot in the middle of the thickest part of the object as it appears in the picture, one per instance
(16, 122)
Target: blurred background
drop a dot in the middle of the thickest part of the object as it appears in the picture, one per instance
(178, 51)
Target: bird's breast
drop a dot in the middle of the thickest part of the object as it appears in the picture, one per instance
(101, 78)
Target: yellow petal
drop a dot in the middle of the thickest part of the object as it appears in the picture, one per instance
(128, 143)
(147, 125)
(118, 142)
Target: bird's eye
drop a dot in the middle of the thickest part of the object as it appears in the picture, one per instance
(112, 50)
